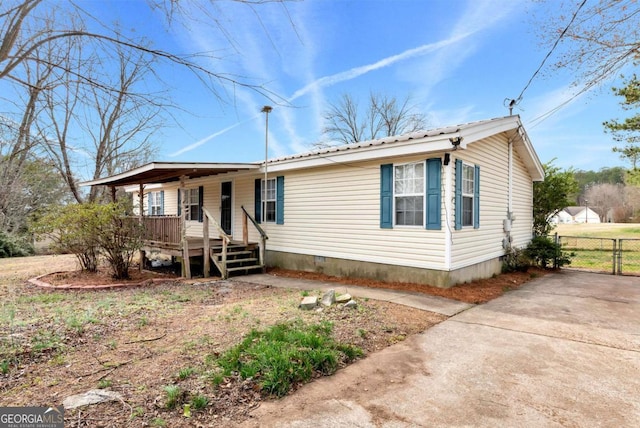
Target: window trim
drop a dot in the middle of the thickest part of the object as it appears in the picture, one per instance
(260, 204)
(423, 194)
(199, 191)
(155, 200)
(468, 195)
(458, 211)
(264, 200)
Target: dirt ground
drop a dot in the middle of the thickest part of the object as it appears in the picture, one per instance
(480, 291)
(139, 339)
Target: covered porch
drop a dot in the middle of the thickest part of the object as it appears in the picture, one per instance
(168, 235)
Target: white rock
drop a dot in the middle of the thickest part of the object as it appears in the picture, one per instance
(93, 396)
(309, 302)
(329, 298)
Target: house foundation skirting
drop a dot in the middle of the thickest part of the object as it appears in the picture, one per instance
(380, 271)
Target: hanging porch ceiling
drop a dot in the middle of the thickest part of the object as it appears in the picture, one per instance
(164, 172)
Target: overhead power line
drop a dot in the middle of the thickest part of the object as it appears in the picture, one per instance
(510, 103)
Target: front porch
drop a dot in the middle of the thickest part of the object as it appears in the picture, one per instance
(174, 235)
(167, 235)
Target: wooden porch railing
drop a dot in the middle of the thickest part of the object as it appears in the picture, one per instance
(168, 231)
(207, 218)
(263, 236)
(165, 229)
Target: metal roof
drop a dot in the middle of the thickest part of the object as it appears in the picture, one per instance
(432, 140)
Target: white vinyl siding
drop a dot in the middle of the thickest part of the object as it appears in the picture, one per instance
(522, 226)
(335, 212)
(471, 246)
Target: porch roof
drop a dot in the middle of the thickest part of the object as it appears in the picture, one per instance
(164, 172)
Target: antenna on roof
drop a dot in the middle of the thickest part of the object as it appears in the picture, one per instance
(510, 104)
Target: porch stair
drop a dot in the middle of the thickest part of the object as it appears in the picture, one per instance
(241, 259)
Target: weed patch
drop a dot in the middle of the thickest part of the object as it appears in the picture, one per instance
(285, 355)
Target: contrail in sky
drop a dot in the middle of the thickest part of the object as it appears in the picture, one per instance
(385, 62)
(210, 137)
(341, 77)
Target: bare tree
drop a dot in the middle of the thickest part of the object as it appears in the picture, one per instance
(77, 89)
(117, 120)
(384, 117)
(26, 25)
(605, 197)
(593, 39)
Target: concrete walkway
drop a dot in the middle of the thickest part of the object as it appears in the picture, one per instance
(425, 302)
(563, 350)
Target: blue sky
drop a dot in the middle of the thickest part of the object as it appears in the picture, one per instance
(457, 60)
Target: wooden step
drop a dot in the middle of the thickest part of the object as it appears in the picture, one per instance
(243, 268)
(232, 253)
(235, 261)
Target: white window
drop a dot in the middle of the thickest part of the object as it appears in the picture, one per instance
(269, 201)
(468, 186)
(192, 204)
(408, 190)
(155, 203)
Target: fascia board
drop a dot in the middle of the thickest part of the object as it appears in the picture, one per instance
(382, 151)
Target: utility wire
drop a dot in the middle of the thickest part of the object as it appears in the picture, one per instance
(516, 101)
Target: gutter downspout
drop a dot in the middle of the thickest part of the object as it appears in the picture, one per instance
(510, 212)
(508, 239)
(448, 209)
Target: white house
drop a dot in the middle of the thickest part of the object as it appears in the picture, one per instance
(576, 215)
(436, 207)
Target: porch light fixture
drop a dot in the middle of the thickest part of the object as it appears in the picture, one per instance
(455, 141)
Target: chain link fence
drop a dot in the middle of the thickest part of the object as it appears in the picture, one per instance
(607, 255)
(628, 256)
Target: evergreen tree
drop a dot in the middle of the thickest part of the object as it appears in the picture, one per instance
(627, 131)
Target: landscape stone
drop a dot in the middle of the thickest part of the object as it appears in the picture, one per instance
(93, 396)
(309, 302)
(329, 298)
(351, 304)
(343, 298)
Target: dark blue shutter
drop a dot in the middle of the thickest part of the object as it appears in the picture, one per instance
(280, 200)
(200, 202)
(258, 200)
(458, 195)
(162, 202)
(386, 196)
(434, 190)
(179, 202)
(476, 198)
(148, 204)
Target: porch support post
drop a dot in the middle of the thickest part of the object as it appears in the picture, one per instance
(186, 265)
(143, 254)
(206, 262)
(113, 193)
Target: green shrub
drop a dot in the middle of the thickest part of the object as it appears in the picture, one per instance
(90, 230)
(546, 253)
(14, 246)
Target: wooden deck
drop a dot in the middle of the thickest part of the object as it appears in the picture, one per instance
(165, 234)
(195, 245)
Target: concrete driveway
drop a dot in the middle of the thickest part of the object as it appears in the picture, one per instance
(563, 350)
